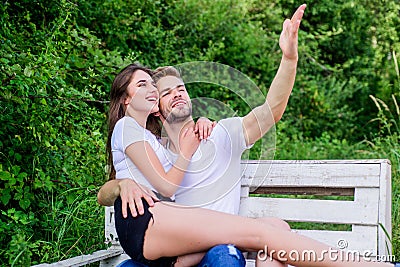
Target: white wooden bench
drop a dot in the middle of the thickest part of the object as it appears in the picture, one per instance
(354, 194)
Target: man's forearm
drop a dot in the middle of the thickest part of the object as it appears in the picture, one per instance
(281, 87)
(108, 193)
(262, 118)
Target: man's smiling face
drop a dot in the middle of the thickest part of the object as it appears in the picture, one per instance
(175, 104)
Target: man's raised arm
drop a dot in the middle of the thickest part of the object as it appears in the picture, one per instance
(262, 118)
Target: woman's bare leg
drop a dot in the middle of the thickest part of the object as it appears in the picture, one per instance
(275, 222)
(268, 261)
(179, 231)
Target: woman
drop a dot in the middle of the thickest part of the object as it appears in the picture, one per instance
(127, 134)
(167, 230)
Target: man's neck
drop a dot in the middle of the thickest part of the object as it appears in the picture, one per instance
(174, 130)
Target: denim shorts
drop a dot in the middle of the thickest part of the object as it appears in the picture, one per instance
(131, 231)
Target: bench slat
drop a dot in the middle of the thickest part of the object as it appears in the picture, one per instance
(311, 210)
(84, 259)
(363, 240)
(338, 182)
(385, 210)
(310, 175)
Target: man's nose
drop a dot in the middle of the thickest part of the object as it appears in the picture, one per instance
(176, 93)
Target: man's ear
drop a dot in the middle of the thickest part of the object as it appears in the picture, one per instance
(157, 114)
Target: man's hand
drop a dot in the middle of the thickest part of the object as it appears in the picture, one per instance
(288, 40)
(262, 118)
(133, 194)
(129, 191)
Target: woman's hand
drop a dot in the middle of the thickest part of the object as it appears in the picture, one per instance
(133, 194)
(204, 127)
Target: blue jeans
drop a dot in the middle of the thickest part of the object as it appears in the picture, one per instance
(221, 255)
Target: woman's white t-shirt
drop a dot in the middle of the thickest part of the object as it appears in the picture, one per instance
(126, 132)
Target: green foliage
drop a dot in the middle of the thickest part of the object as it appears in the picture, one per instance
(343, 51)
(58, 58)
(343, 59)
(54, 78)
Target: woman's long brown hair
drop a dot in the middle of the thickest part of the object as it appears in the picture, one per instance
(117, 108)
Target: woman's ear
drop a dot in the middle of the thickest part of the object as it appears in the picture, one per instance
(127, 100)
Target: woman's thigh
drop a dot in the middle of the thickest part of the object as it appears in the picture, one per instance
(177, 230)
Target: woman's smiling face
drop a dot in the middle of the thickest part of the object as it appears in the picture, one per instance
(142, 94)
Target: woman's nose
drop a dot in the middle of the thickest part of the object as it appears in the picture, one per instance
(152, 87)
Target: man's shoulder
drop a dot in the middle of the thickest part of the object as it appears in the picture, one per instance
(227, 128)
(230, 122)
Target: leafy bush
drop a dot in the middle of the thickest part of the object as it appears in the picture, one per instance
(54, 76)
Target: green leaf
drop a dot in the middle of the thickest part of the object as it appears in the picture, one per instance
(16, 67)
(12, 181)
(71, 198)
(18, 156)
(47, 144)
(21, 176)
(24, 203)
(5, 196)
(4, 175)
(16, 169)
(28, 71)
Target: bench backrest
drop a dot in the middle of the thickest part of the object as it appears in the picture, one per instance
(357, 197)
(358, 192)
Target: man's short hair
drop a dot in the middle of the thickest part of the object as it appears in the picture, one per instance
(165, 71)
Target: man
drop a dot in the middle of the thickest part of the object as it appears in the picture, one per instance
(213, 177)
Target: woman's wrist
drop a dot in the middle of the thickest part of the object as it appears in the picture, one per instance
(182, 162)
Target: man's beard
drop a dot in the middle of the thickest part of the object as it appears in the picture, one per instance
(177, 115)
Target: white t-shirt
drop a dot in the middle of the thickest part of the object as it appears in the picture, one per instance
(213, 177)
(126, 132)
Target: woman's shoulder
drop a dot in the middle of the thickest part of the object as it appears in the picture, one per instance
(163, 141)
(127, 122)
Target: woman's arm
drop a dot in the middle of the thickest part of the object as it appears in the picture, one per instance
(146, 160)
(204, 127)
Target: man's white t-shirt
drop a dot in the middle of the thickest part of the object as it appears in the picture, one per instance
(213, 178)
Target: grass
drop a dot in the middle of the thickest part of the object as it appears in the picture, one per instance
(74, 225)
